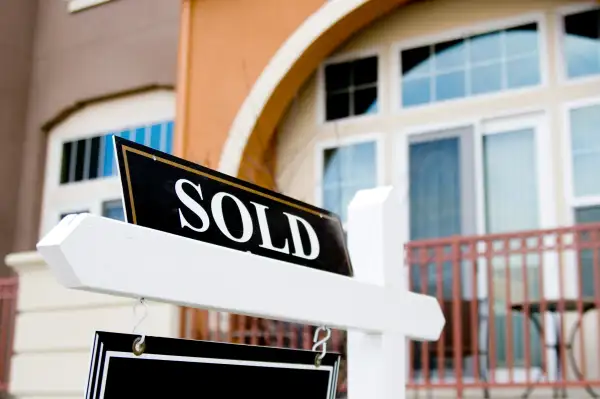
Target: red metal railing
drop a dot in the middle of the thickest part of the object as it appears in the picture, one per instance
(521, 313)
(8, 299)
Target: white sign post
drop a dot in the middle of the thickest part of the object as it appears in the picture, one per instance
(97, 254)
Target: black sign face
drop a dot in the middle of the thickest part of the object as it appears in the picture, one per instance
(166, 193)
(178, 368)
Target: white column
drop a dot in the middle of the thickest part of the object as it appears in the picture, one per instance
(377, 362)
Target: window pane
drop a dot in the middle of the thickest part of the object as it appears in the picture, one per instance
(479, 60)
(523, 72)
(416, 62)
(582, 44)
(338, 106)
(79, 159)
(589, 273)
(365, 101)
(511, 199)
(521, 40)
(109, 156)
(155, 133)
(450, 85)
(450, 55)
(434, 173)
(94, 157)
(66, 162)
(486, 78)
(416, 91)
(485, 48)
(364, 71)
(125, 134)
(113, 210)
(332, 165)
(337, 76)
(510, 181)
(346, 170)
(585, 145)
(169, 138)
(435, 205)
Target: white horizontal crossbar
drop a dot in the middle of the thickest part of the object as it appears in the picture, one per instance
(97, 254)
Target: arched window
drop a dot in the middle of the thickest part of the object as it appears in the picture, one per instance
(81, 173)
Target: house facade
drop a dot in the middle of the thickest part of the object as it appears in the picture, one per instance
(485, 114)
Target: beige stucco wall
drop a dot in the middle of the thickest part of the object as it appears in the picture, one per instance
(302, 128)
(55, 329)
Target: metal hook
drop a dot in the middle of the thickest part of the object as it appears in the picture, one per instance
(139, 344)
(321, 343)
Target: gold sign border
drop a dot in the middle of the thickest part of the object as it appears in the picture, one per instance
(127, 148)
(207, 175)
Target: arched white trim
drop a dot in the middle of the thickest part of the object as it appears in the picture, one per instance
(279, 66)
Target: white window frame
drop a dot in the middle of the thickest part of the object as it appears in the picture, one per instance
(560, 56)
(467, 31)
(79, 5)
(571, 201)
(93, 120)
(493, 124)
(322, 146)
(321, 93)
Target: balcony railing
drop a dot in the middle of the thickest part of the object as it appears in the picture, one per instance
(522, 314)
(521, 311)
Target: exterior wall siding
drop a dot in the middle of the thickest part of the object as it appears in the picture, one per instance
(55, 326)
(116, 47)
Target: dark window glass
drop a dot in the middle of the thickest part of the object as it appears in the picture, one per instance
(416, 60)
(337, 76)
(582, 43)
(64, 215)
(66, 162)
(79, 159)
(351, 88)
(365, 101)
(365, 71)
(94, 157)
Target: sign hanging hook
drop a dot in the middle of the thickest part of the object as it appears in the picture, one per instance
(321, 343)
(139, 344)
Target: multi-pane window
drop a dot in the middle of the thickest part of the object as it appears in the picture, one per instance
(442, 203)
(581, 43)
(346, 170)
(351, 88)
(480, 64)
(94, 157)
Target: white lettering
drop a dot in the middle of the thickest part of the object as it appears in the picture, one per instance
(192, 205)
(216, 206)
(263, 226)
(296, 239)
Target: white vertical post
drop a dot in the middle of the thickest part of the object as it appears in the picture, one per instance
(377, 362)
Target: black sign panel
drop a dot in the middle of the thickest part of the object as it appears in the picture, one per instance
(178, 368)
(170, 194)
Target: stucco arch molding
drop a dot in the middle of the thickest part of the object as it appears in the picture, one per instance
(293, 63)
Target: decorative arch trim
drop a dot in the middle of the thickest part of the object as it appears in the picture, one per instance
(325, 30)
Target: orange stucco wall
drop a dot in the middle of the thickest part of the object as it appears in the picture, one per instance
(229, 43)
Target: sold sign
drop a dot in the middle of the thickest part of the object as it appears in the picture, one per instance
(167, 193)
